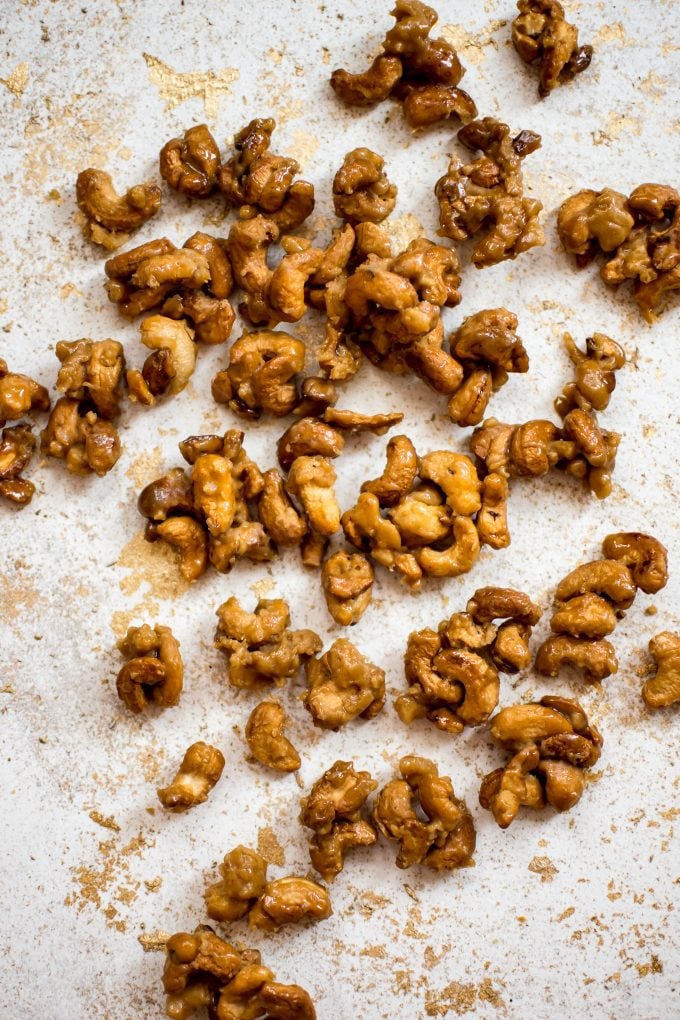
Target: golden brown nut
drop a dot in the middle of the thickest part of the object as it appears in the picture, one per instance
(504, 791)
(290, 901)
(312, 481)
(456, 476)
(399, 475)
(597, 659)
(489, 192)
(92, 371)
(244, 877)
(154, 673)
(165, 496)
(259, 647)
(190, 538)
(214, 491)
(489, 337)
(446, 838)
(492, 519)
(261, 373)
(354, 421)
(458, 558)
(111, 217)
(221, 276)
(160, 333)
(663, 689)
(564, 783)
(361, 190)
(347, 580)
(425, 105)
(264, 733)
(200, 769)
(190, 164)
(333, 810)
(86, 443)
(16, 449)
(343, 685)
(307, 437)
(643, 555)
(247, 247)
(584, 616)
(373, 86)
(609, 578)
(278, 515)
(541, 32)
(594, 219)
(19, 395)
(595, 374)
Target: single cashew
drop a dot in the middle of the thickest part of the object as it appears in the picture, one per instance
(597, 659)
(460, 556)
(399, 475)
(663, 689)
(266, 740)
(312, 480)
(190, 539)
(160, 333)
(644, 555)
(214, 491)
(457, 477)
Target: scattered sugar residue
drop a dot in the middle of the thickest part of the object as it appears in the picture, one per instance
(544, 867)
(145, 467)
(614, 33)
(263, 587)
(461, 997)
(154, 564)
(616, 125)
(107, 881)
(304, 147)
(176, 87)
(470, 46)
(403, 230)
(16, 81)
(269, 847)
(122, 618)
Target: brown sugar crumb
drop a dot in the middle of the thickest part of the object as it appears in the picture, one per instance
(655, 966)
(269, 847)
(154, 942)
(544, 867)
(106, 821)
(569, 912)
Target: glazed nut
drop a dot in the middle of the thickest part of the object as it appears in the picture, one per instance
(16, 449)
(202, 962)
(290, 901)
(373, 86)
(347, 580)
(595, 378)
(92, 371)
(103, 207)
(663, 689)
(399, 475)
(262, 370)
(308, 437)
(190, 539)
(199, 771)
(504, 791)
(519, 725)
(266, 740)
(154, 672)
(214, 491)
(643, 555)
(597, 659)
(279, 517)
(361, 190)
(243, 881)
(592, 219)
(584, 616)
(86, 443)
(540, 32)
(221, 277)
(179, 268)
(457, 558)
(457, 477)
(353, 421)
(446, 838)
(425, 105)
(19, 395)
(190, 164)
(488, 604)
(342, 685)
(609, 578)
(489, 336)
(159, 333)
(312, 480)
(334, 812)
(170, 494)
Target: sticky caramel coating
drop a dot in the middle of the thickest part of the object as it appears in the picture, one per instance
(199, 771)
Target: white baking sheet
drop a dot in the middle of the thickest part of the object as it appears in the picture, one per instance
(562, 915)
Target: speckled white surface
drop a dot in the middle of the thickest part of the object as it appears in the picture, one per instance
(594, 934)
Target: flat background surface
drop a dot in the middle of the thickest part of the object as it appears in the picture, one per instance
(562, 914)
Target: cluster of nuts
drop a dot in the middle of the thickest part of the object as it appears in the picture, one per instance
(639, 235)
(552, 743)
(203, 970)
(540, 32)
(19, 395)
(262, 650)
(488, 194)
(579, 447)
(153, 673)
(81, 430)
(419, 810)
(453, 672)
(425, 516)
(244, 890)
(593, 597)
(421, 72)
(110, 218)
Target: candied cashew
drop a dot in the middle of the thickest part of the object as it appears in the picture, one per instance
(154, 672)
(243, 881)
(353, 421)
(584, 616)
(190, 539)
(199, 771)
(643, 555)
(347, 580)
(425, 105)
(343, 685)
(112, 217)
(167, 495)
(86, 443)
(504, 791)
(279, 517)
(446, 839)
(160, 333)
(16, 449)
(489, 336)
(361, 190)
(91, 371)
(540, 32)
(592, 218)
(264, 733)
(333, 811)
(308, 437)
(399, 475)
(312, 480)
(595, 374)
(458, 558)
(262, 371)
(20, 395)
(247, 247)
(290, 901)
(597, 659)
(214, 491)
(663, 689)
(190, 164)
(456, 476)
(492, 519)
(373, 86)
(609, 578)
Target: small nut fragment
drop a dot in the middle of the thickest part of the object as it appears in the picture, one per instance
(334, 811)
(347, 580)
(663, 689)
(361, 190)
(190, 164)
(343, 685)
(16, 449)
(289, 901)
(200, 769)
(421, 812)
(264, 733)
(244, 877)
(154, 672)
(541, 32)
(118, 215)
